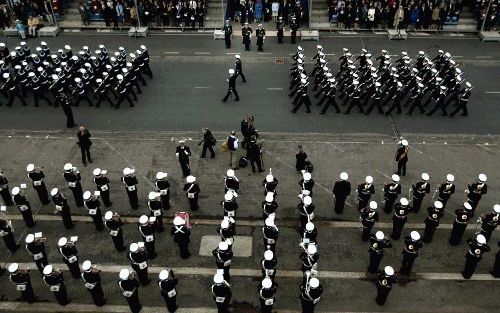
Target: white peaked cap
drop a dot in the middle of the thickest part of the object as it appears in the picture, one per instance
(13, 267)
(143, 219)
(126, 171)
(224, 224)
(299, 48)
(67, 47)
(161, 175)
(307, 176)
(400, 84)
(481, 239)
(178, 221)
(373, 205)
(124, 273)
(377, 84)
(228, 196)
(319, 47)
(403, 201)
(152, 195)
(237, 56)
(31, 74)
(143, 47)
(438, 204)
(404, 142)
(344, 176)
(469, 85)
(6, 75)
(54, 191)
(269, 222)
(47, 270)
(15, 191)
(269, 197)
(67, 166)
(303, 80)
(269, 178)
(467, 206)
(86, 265)
(190, 179)
(369, 179)
(395, 177)
(77, 79)
(425, 176)
(231, 71)
(267, 283)
(379, 235)
(163, 275)
(421, 52)
(415, 235)
(307, 200)
(496, 208)
(119, 76)
(311, 249)
(108, 216)
(97, 172)
(404, 53)
(309, 226)
(268, 255)
(86, 195)
(98, 80)
(345, 49)
(223, 246)
(388, 270)
(218, 278)
(482, 177)
(29, 238)
(30, 167)
(314, 282)
(62, 241)
(450, 178)
(230, 173)
(133, 247)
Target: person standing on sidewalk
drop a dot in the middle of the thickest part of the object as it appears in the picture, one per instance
(232, 145)
(208, 142)
(85, 144)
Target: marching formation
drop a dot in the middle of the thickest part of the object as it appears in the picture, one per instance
(72, 77)
(363, 84)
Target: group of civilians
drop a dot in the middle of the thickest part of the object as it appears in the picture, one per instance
(267, 10)
(28, 16)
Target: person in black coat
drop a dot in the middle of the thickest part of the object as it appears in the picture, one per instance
(208, 142)
(239, 68)
(167, 282)
(62, 207)
(4, 190)
(232, 87)
(300, 157)
(181, 234)
(182, 152)
(66, 104)
(21, 278)
(92, 279)
(85, 144)
(341, 190)
(254, 155)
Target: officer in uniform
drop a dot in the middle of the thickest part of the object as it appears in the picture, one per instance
(419, 190)
(36, 247)
(377, 245)
(239, 69)
(401, 211)
(155, 208)
(246, 33)
(93, 206)
(181, 234)
(24, 206)
(268, 264)
(368, 216)
(228, 33)
(302, 97)
(260, 33)
(231, 182)
(70, 256)
(294, 26)
(123, 91)
(461, 101)
(309, 234)
(221, 291)
(377, 100)
(72, 176)
(402, 157)
(463, 215)
(147, 230)
(384, 284)
(341, 190)
(4, 190)
(309, 257)
(229, 205)
(269, 206)
(130, 290)
(231, 87)
(163, 187)
(167, 282)
(306, 210)
(182, 152)
(280, 28)
(102, 92)
(139, 261)
(445, 190)
(435, 213)
(307, 183)
(270, 233)
(21, 278)
(391, 193)
(490, 221)
(440, 97)
(254, 155)
(130, 181)
(92, 281)
(270, 184)
(113, 223)
(62, 207)
(54, 279)
(36, 176)
(37, 89)
(227, 230)
(416, 99)
(410, 252)
(223, 256)
(11, 87)
(102, 183)
(192, 190)
(365, 192)
(7, 233)
(266, 292)
(477, 247)
(310, 294)
(476, 190)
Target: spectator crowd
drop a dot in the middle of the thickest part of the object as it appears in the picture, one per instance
(267, 11)
(29, 16)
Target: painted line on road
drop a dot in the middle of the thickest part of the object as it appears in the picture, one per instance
(171, 52)
(241, 222)
(202, 53)
(247, 272)
(275, 88)
(484, 57)
(492, 92)
(202, 87)
(261, 53)
(231, 53)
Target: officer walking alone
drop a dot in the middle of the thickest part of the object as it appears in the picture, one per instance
(231, 86)
(239, 68)
(402, 157)
(84, 143)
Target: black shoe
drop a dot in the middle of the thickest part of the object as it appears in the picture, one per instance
(84, 164)
(90, 161)
(213, 156)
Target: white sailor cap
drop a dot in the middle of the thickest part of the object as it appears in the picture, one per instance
(415, 235)
(404, 53)
(218, 278)
(369, 179)
(307, 176)
(314, 282)
(78, 79)
(425, 176)
(344, 176)
(438, 204)
(388, 270)
(47, 270)
(300, 61)
(62, 241)
(481, 239)
(223, 246)
(319, 47)
(228, 196)
(29, 238)
(300, 48)
(108, 216)
(230, 173)
(124, 274)
(312, 249)
(364, 50)
(395, 178)
(54, 191)
(31, 74)
(86, 195)
(496, 208)
(301, 56)
(331, 80)
(269, 222)
(190, 179)
(127, 171)
(231, 71)
(373, 205)
(224, 223)
(307, 200)
(420, 85)
(152, 195)
(30, 168)
(143, 219)
(143, 47)
(134, 247)
(269, 197)
(124, 70)
(482, 178)
(468, 85)
(237, 56)
(269, 178)
(400, 84)
(23, 43)
(345, 50)
(404, 142)
(163, 275)
(178, 221)
(414, 70)
(96, 172)
(440, 51)
(15, 191)
(309, 226)
(303, 81)
(395, 75)
(368, 55)
(450, 177)
(83, 71)
(403, 201)
(67, 47)
(387, 62)
(348, 54)
(394, 69)
(268, 255)
(421, 52)
(267, 282)
(447, 54)
(452, 62)
(98, 80)
(86, 265)
(442, 87)
(377, 84)
(13, 267)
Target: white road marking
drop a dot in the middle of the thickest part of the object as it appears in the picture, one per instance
(348, 33)
(201, 53)
(492, 92)
(484, 57)
(233, 52)
(202, 87)
(329, 53)
(274, 88)
(171, 52)
(264, 53)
